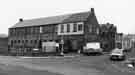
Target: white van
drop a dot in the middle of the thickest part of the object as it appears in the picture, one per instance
(92, 48)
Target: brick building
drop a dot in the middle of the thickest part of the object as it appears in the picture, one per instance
(75, 29)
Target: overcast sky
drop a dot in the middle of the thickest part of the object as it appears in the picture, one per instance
(118, 12)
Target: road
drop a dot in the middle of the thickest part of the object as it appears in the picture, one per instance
(84, 65)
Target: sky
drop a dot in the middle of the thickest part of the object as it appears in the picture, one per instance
(121, 13)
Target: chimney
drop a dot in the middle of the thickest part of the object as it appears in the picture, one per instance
(92, 10)
(20, 20)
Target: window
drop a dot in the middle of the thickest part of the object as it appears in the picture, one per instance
(90, 28)
(35, 30)
(26, 41)
(22, 41)
(68, 27)
(31, 41)
(62, 28)
(36, 41)
(40, 29)
(80, 27)
(97, 31)
(50, 40)
(14, 41)
(45, 40)
(56, 28)
(44, 29)
(11, 42)
(18, 41)
(75, 27)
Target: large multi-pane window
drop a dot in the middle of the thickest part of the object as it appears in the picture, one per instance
(68, 27)
(80, 27)
(75, 27)
(62, 28)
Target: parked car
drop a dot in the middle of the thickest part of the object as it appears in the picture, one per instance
(131, 62)
(117, 54)
(128, 50)
(92, 48)
(35, 51)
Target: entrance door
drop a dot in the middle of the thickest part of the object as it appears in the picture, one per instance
(71, 45)
(67, 46)
(74, 44)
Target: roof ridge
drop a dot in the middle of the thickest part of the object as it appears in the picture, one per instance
(72, 17)
(55, 16)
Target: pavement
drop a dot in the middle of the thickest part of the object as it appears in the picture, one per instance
(64, 56)
(77, 65)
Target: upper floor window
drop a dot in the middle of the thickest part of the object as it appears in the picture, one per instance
(90, 28)
(80, 27)
(56, 28)
(75, 27)
(36, 29)
(40, 29)
(26, 41)
(68, 27)
(31, 41)
(15, 41)
(18, 41)
(62, 28)
(35, 41)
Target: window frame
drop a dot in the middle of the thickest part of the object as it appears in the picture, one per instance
(75, 27)
(62, 28)
(90, 28)
(68, 27)
(78, 26)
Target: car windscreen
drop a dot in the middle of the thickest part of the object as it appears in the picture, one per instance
(117, 51)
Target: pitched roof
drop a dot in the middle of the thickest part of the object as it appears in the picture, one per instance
(54, 20)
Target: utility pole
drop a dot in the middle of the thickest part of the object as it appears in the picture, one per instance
(62, 49)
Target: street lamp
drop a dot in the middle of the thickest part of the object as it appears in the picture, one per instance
(62, 49)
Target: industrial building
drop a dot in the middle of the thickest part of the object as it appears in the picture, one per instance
(73, 31)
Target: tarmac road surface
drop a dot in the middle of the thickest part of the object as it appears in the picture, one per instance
(84, 65)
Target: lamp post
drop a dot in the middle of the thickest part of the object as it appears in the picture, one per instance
(62, 48)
